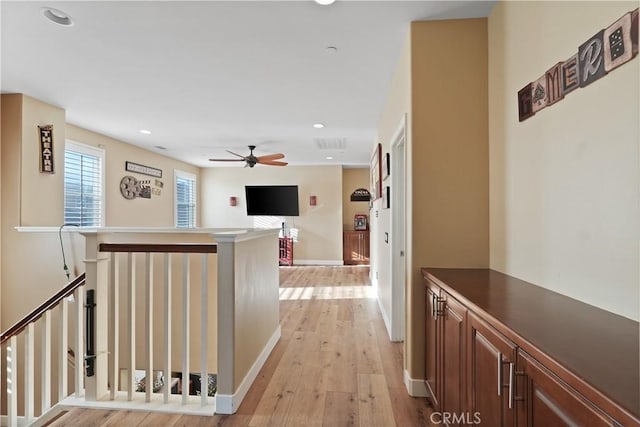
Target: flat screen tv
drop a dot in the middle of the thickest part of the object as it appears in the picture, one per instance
(272, 200)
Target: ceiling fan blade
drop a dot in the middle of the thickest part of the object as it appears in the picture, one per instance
(226, 160)
(236, 154)
(271, 157)
(273, 163)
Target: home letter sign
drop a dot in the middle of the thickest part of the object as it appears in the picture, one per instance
(46, 148)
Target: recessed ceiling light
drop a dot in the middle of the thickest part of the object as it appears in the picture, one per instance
(329, 158)
(318, 125)
(324, 2)
(57, 16)
(145, 132)
(331, 49)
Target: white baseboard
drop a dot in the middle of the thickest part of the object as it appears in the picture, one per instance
(415, 388)
(317, 262)
(384, 317)
(229, 403)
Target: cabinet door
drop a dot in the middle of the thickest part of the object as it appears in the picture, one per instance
(453, 317)
(544, 400)
(489, 355)
(431, 343)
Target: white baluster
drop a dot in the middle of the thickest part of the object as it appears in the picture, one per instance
(149, 326)
(131, 305)
(204, 375)
(29, 368)
(167, 327)
(114, 354)
(46, 362)
(79, 355)
(185, 328)
(64, 345)
(12, 381)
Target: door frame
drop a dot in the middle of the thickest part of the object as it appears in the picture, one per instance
(398, 221)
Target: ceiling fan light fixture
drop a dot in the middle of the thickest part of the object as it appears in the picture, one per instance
(57, 16)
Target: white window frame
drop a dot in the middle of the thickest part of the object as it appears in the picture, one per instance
(185, 175)
(89, 150)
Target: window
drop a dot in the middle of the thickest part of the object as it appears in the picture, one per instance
(185, 199)
(83, 185)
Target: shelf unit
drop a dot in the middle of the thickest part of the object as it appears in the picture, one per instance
(285, 247)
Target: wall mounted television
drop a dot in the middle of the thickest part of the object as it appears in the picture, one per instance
(272, 200)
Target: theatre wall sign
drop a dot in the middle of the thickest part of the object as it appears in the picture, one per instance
(598, 56)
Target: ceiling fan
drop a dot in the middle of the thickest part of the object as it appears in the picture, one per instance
(251, 160)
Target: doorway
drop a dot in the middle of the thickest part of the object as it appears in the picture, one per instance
(398, 232)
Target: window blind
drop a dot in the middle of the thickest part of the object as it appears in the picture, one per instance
(185, 201)
(82, 188)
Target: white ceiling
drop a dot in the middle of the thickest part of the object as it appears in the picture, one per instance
(207, 76)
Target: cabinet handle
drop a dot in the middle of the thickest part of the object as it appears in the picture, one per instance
(511, 379)
(434, 312)
(500, 374)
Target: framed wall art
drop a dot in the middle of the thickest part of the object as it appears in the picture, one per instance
(376, 170)
(386, 166)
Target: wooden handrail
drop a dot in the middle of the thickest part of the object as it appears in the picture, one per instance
(196, 248)
(21, 324)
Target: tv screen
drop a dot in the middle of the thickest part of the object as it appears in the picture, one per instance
(274, 200)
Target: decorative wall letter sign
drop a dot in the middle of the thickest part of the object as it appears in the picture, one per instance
(617, 43)
(603, 52)
(525, 107)
(539, 94)
(46, 148)
(570, 76)
(553, 78)
(591, 60)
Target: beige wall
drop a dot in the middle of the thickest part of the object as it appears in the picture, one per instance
(352, 179)
(447, 154)
(158, 211)
(31, 198)
(565, 200)
(319, 227)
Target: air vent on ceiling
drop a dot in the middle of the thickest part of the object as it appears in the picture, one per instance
(331, 143)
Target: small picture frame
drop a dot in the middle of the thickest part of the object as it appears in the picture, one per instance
(386, 197)
(386, 166)
(360, 222)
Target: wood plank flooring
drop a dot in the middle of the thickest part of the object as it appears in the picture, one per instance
(334, 365)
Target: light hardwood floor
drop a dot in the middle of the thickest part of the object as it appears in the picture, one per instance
(334, 365)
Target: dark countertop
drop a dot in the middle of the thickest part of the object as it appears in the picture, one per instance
(598, 346)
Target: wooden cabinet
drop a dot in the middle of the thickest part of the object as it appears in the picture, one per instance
(445, 351)
(490, 356)
(355, 247)
(542, 399)
(512, 354)
(453, 316)
(285, 249)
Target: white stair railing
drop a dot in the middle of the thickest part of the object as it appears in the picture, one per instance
(19, 342)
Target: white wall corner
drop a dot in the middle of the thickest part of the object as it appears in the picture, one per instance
(415, 388)
(229, 404)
